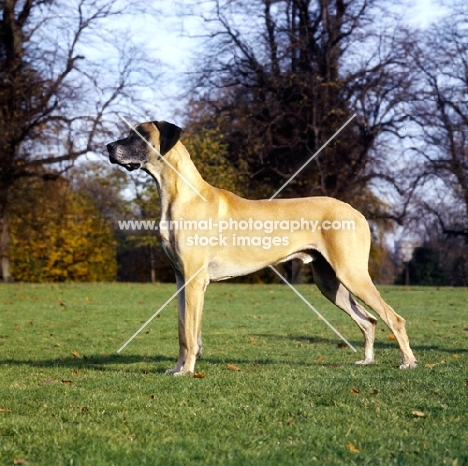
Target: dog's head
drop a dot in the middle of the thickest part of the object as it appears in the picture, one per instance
(148, 139)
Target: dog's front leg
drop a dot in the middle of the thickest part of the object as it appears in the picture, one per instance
(190, 301)
(179, 367)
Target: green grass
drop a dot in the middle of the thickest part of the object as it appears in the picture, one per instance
(293, 402)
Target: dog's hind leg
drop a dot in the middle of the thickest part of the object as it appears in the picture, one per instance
(328, 283)
(360, 284)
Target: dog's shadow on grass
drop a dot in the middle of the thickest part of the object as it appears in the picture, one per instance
(137, 363)
(358, 344)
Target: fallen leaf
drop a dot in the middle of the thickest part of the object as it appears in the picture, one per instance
(74, 371)
(30, 323)
(342, 344)
(299, 345)
(455, 356)
(319, 318)
(75, 354)
(443, 361)
(252, 340)
(417, 413)
(391, 336)
(4, 410)
(319, 358)
(429, 366)
(374, 392)
(353, 448)
(199, 375)
(20, 461)
(355, 391)
(232, 367)
(68, 382)
(16, 329)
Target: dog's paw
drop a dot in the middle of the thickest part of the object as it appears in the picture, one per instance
(365, 362)
(175, 371)
(178, 371)
(182, 372)
(409, 365)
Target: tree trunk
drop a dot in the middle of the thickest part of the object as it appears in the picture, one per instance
(5, 241)
(293, 271)
(153, 270)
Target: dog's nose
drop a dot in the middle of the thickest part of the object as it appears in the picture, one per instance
(110, 146)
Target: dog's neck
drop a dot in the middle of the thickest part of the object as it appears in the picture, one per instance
(175, 174)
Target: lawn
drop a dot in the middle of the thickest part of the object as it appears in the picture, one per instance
(68, 398)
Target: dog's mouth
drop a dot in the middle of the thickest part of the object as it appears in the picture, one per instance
(129, 166)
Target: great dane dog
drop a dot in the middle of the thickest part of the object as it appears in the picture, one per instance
(210, 234)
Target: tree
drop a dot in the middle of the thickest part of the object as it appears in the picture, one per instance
(440, 109)
(280, 77)
(208, 149)
(53, 94)
(58, 234)
(424, 269)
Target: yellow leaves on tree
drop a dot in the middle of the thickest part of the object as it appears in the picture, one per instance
(57, 234)
(208, 152)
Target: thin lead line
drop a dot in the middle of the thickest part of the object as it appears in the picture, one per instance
(313, 308)
(310, 160)
(161, 308)
(162, 158)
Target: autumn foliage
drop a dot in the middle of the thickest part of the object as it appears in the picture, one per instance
(58, 234)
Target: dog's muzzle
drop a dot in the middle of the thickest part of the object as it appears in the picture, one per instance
(129, 166)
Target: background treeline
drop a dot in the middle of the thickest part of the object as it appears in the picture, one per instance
(274, 80)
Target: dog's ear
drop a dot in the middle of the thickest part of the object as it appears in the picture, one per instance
(169, 134)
